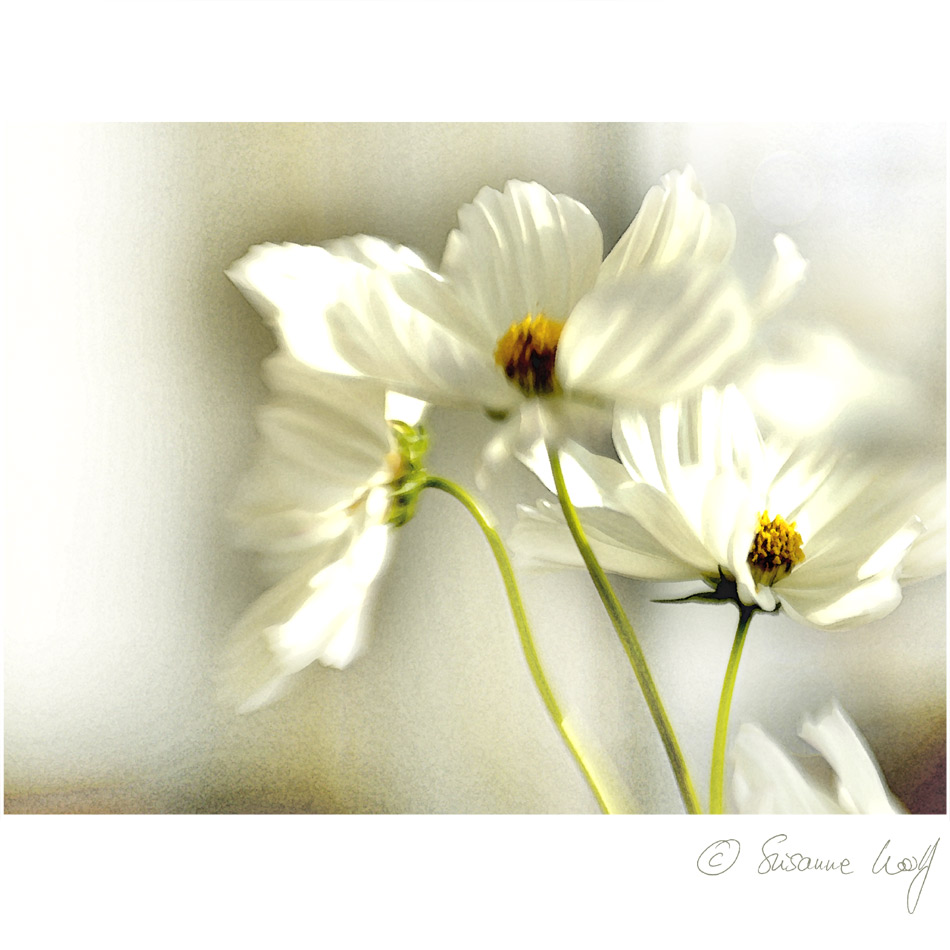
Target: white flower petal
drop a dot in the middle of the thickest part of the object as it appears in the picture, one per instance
(324, 442)
(592, 480)
(285, 537)
(313, 614)
(928, 556)
(653, 336)
(363, 307)
(707, 456)
(541, 539)
(860, 513)
(888, 557)
(659, 515)
(766, 782)
(841, 606)
(521, 251)
(730, 518)
(674, 225)
(638, 440)
(785, 273)
(405, 409)
(861, 786)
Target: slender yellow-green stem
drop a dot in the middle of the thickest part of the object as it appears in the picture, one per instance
(722, 718)
(521, 621)
(628, 638)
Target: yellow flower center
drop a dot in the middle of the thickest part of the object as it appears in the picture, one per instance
(526, 353)
(777, 548)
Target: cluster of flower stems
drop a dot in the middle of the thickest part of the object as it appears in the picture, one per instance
(628, 640)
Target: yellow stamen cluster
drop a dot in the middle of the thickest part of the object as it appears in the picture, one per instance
(777, 548)
(526, 353)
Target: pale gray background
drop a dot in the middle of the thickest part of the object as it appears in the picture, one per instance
(131, 375)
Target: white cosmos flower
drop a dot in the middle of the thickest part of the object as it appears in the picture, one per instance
(698, 494)
(524, 307)
(765, 781)
(317, 506)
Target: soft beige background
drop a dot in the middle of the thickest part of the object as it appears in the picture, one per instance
(131, 374)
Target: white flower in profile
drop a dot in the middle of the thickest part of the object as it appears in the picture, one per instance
(765, 781)
(319, 504)
(524, 310)
(699, 494)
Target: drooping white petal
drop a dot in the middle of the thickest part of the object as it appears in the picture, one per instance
(766, 782)
(841, 605)
(592, 480)
(659, 515)
(860, 782)
(312, 615)
(674, 225)
(286, 537)
(653, 336)
(518, 252)
(541, 423)
(541, 539)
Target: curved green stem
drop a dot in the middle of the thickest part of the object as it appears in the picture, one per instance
(627, 638)
(716, 777)
(521, 621)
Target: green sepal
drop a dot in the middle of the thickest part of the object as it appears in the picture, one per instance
(412, 443)
(724, 591)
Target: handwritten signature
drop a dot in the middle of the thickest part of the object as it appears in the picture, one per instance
(721, 855)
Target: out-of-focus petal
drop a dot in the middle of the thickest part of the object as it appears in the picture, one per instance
(860, 782)
(674, 225)
(766, 782)
(313, 614)
(785, 273)
(324, 443)
(928, 555)
(518, 252)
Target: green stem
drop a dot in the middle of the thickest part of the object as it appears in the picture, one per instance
(716, 777)
(627, 638)
(521, 621)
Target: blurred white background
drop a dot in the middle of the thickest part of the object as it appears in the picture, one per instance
(131, 372)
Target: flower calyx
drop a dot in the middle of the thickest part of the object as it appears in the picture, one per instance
(724, 591)
(409, 474)
(527, 351)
